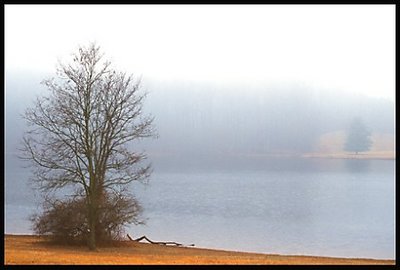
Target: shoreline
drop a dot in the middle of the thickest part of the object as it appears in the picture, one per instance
(33, 249)
(360, 156)
(372, 155)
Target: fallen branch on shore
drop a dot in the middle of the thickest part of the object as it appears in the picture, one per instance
(156, 243)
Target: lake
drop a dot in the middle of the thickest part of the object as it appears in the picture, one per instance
(325, 207)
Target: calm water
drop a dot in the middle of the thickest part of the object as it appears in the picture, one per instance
(289, 206)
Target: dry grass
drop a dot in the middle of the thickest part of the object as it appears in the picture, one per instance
(24, 249)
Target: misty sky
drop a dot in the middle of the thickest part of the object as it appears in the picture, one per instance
(350, 48)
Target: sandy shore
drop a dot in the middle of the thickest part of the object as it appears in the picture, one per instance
(28, 249)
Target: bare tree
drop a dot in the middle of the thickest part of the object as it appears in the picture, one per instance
(81, 133)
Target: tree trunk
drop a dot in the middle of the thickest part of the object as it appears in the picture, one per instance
(96, 199)
(92, 227)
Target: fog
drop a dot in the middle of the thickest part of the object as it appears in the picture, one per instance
(208, 126)
(199, 122)
(239, 119)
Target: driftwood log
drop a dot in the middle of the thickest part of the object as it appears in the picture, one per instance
(154, 242)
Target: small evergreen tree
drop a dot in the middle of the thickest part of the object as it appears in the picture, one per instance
(358, 137)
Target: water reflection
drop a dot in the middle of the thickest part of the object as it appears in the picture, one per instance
(358, 165)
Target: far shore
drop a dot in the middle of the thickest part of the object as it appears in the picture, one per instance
(384, 155)
(377, 155)
(36, 250)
